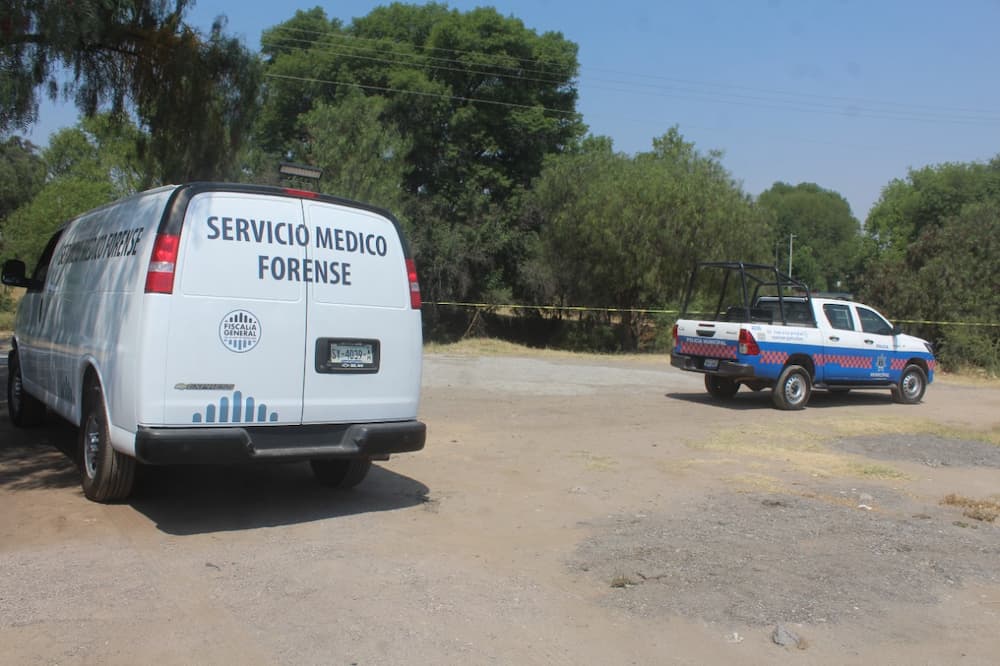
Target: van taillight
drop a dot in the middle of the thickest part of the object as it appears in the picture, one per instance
(748, 345)
(411, 276)
(160, 275)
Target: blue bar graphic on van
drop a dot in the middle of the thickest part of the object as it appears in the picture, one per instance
(235, 410)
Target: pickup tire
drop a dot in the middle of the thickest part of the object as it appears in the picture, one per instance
(793, 388)
(341, 473)
(722, 388)
(25, 409)
(105, 474)
(911, 387)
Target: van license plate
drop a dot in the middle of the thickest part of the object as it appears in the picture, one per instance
(711, 363)
(347, 355)
(352, 355)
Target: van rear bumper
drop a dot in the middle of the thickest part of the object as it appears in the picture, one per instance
(224, 445)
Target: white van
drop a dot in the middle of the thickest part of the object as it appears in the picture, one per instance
(218, 323)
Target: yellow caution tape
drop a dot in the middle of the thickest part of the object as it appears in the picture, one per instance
(571, 308)
(583, 308)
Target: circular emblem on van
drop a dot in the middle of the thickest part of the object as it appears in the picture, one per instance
(239, 331)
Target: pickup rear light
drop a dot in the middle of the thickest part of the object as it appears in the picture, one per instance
(748, 345)
(411, 275)
(162, 263)
(674, 334)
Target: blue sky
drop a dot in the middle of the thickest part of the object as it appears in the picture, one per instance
(848, 94)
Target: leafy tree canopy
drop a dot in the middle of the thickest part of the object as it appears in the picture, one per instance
(195, 94)
(88, 165)
(925, 198)
(827, 238)
(22, 173)
(478, 98)
(625, 231)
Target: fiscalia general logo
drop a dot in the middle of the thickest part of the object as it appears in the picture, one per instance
(240, 331)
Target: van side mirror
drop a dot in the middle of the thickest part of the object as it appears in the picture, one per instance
(13, 275)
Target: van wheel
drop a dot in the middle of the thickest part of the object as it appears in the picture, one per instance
(912, 384)
(340, 473)
(105, 474)
(722, 388)
(793, 388)
(25, 409)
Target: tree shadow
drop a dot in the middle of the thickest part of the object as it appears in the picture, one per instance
(187, 500)
(37, 458)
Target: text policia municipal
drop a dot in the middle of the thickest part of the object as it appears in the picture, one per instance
(298, 269)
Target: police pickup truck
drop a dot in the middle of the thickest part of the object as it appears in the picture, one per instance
(767, 331)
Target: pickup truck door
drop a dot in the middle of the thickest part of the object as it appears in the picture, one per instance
(852, 354)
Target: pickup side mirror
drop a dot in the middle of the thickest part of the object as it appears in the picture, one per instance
(14, 275)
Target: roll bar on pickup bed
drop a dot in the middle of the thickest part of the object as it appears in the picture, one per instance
(753, 278)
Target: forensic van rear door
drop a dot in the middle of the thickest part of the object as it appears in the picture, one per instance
(235, 350)
(363, 335)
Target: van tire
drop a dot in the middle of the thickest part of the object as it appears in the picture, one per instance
(25, 410)
(911, 387)
(340, 473)
(105, 474)
(793, 388)
(722, 388)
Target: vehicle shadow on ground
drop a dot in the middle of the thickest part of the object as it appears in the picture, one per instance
(187, 500)
(745, 399)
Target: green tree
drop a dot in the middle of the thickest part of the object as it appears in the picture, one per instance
(471, 104)
(88, 166)
(925, 198)
(22, 173)
(362, 157)
(194, 93)
(480, 98)
(950, 274)
(625, 231)
(827, 241)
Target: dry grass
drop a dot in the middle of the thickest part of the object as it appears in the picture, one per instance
(494, 347)
(621, 580)
(801, 450)
(982, 510)
(595, 462)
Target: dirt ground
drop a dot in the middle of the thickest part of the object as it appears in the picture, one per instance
(566, 510)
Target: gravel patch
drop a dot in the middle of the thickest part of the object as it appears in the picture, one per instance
(760, 558)
(927, 449)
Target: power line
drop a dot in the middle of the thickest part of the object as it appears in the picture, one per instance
(761, 98)
(422, 93)
(351, 52)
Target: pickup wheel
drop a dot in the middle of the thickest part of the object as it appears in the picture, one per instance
(793, 388)
(722, 388)
(912, 385)
(25, 409)
(341, 473)
(105, 474)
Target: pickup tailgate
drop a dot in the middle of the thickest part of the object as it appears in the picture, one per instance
(707, 341)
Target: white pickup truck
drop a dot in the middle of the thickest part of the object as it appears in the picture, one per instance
(767, 331)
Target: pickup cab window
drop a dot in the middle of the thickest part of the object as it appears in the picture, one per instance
(839, 316)
(872, 322)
